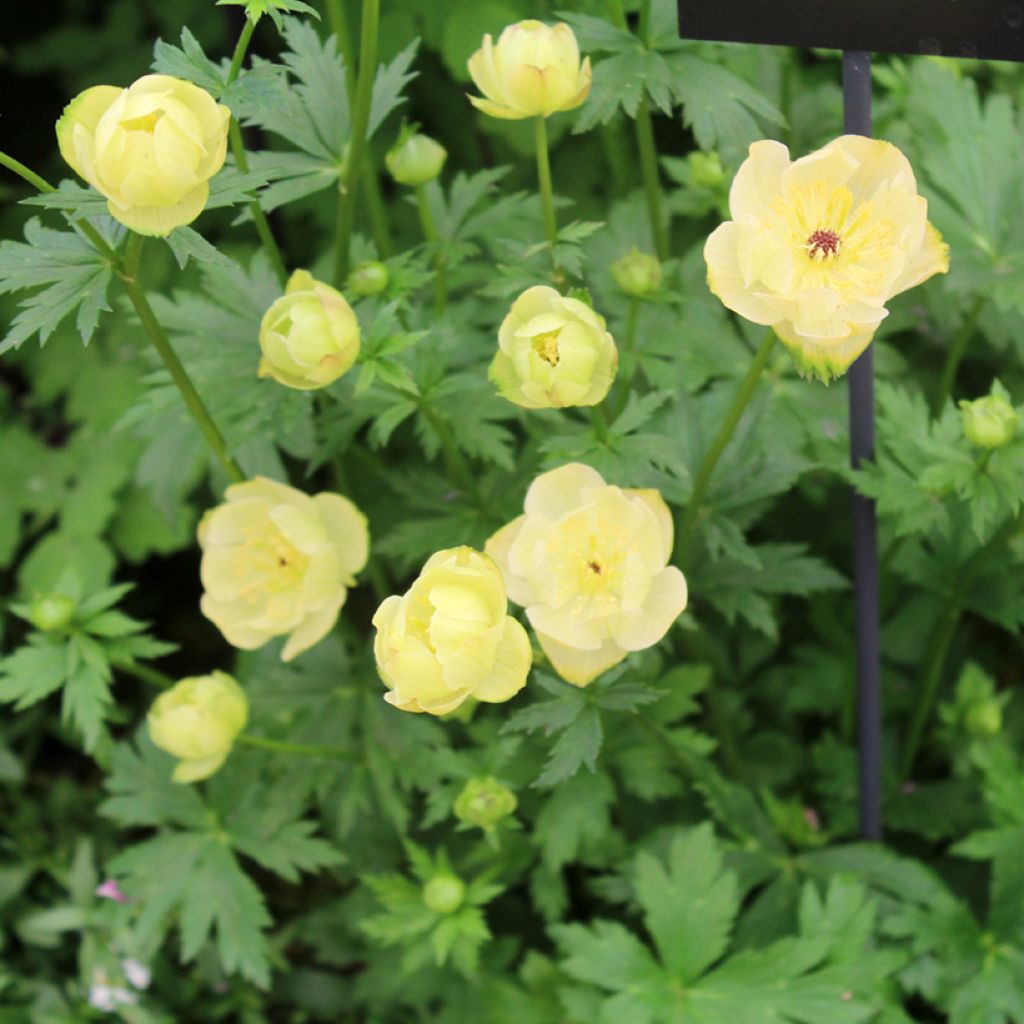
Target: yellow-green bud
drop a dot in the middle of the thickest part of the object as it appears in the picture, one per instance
(197, 721)
(706, 169)
(484, 802)
(443, 894)
(984, 719)
(989, 422)
(637, 273)
(415, 160)
(51, 611)
(368, 278)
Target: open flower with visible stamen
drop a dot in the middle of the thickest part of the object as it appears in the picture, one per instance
(817, 247)
(589, 561)
(277, 562)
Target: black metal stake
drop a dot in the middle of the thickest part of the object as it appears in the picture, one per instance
(857, 121)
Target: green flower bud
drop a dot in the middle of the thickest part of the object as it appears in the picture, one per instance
(989, 422)
(706, 169)
(51, 611)
(443, 894)
(984, 719)
(484, 802)
(637, 273)
(415, 159)
(368, 278)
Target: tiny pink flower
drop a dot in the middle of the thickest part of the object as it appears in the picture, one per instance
(110, 890)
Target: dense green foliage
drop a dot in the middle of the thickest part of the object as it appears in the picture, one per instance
(683, 848)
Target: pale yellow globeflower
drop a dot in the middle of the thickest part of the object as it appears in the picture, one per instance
(533, 70)
(310, 336)
(817, 247)
(450, 637)
(196, 721)
(589, 562)
(553, 352)
(150, 149)
(277, 562)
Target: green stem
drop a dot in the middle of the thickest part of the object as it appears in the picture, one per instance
(652, 184)
(547, 195)
(629, 362)
(957, 350)
(173, 364)
(941, 637)
(303, 749)
(143, 672)
(240, 47)
(458, 468)
(721, 441)
(357, 140)
(644, 26)
(617, 14)
(434, 240)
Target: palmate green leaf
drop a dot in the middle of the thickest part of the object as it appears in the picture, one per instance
(575, 818)
(33, 672)
(66, 275)
(189, 61)
(577, 747)
(274, 9)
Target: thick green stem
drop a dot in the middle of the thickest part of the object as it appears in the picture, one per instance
(357, 140)
(644, 26)
(173, 364)
(434, 240)
(722, 439)
(303, 749)
(652, 184)
(956, 353)
(629, 362)
(547, 195)
(240, 47)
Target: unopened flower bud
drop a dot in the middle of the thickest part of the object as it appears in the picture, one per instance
(984, 719)
(415, 160)
(51, 611)
(989, 422)
(443, 894)
(368, 278)
(484, 802)
(637, 273)
(706, 169)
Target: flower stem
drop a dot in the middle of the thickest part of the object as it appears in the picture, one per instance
(240, 47)
(303, 749)
(956, 353)
(649, 171)
(440, 259)
(458, 468)
(173, 364)
(629, 351)
(148, 675)
(721, 441)
(616, 13)
(547, 195)
(357, 141)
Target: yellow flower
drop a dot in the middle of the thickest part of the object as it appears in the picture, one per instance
(449, 637)
(533, 71)
(197, 721)
(309, 336)
(150, 149)
(277, 562)
(553, 352)
(816, 248)
(589, 561)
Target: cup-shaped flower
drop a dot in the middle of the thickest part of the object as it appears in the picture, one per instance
(484, 802)
(589, 561)
(637, 273)
(151, 149)
(533, 70)
(196, 721)
(277, 562)
(449, 637)
(553, 352)
(415, 159)
(992, 421)
(817, 247)
(310, 336)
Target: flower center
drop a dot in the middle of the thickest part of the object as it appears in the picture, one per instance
(823, 244)
(546, 346)
(146, 123)
(594, 567)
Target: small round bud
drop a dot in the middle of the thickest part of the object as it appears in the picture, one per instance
(443, 894)
(415, 159)
(989, 422)
(51, 611)
(984, 719)
(368, 278)
(637, 273)
(484, 802)
(706, 169)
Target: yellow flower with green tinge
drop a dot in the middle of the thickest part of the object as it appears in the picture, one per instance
(197, 721)
(589, 562)
(553, 352)
(450, 637)
(277, 562)
(817, 247)
(151, 149)
(533, 70)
